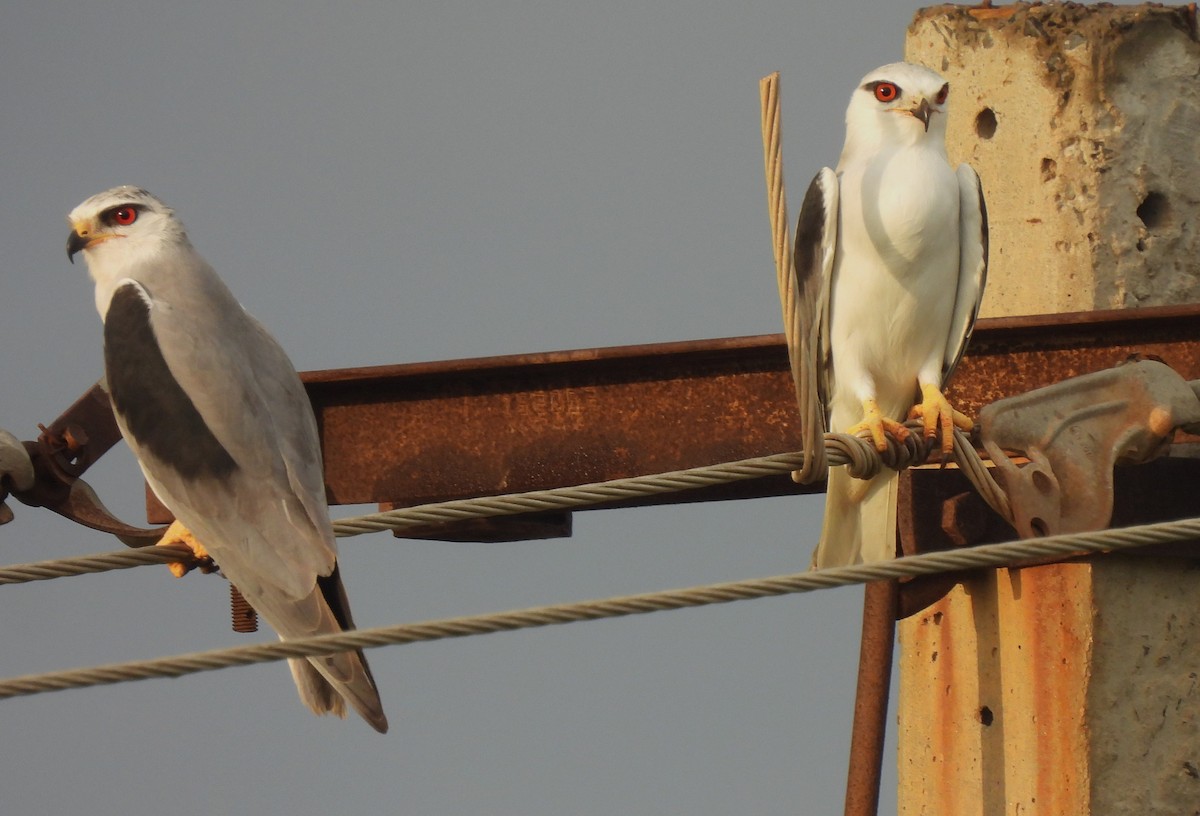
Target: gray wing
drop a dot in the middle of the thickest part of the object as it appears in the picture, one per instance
(225, 435)
(972, 267)
(816, 240)
(249, 396)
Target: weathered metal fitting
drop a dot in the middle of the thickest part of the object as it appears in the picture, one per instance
(1074, 433)
(244, 618)
(963, 519)
(16, 471)
(63, 451)
(16, 468)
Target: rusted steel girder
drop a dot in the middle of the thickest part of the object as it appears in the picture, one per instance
(409, 434)
(1012, 355)
(437, 431)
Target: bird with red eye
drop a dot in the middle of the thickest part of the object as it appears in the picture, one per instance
(886, 91)
(122, 216)
(943, 94)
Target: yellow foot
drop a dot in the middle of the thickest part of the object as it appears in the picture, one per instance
(178, 534)
(875, 422)
(935, 412)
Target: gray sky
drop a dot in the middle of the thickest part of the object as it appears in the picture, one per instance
(386, 183)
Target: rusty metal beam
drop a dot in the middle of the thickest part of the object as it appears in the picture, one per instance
(431, 432)
(426, 432)
(408, 434)
(436, 431)
(1012, 355)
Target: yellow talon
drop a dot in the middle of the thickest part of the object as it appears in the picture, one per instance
(178, 534)
(875, 422)
(935, 412)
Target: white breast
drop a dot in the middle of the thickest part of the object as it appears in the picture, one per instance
(895, 272)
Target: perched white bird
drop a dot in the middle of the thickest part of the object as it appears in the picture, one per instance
(222, 429)
(891, 259)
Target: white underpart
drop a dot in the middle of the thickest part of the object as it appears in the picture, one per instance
(895, 278)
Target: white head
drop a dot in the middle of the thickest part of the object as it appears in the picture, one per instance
(119, 231)
(898, 105)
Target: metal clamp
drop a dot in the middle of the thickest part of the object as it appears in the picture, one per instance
(1074, 433)
(57, 459)
(16, 471)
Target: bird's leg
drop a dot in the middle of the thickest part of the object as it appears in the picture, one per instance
(875, 422)
(178, 534)
(936, 413)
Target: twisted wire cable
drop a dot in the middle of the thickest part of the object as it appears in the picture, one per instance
(781, 242)
(801, 349)
(858, 454)
(90, 564)
(991, 555)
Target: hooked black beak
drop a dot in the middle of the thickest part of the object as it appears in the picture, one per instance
(923, 112)
(75, 242)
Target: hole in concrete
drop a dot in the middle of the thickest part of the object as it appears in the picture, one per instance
(1039, 527)
(1049, 169)
(985, 716)
(985, 123)
(1154, 211)
(1141, 245)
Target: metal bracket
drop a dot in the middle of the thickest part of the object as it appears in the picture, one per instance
(16, 471)
(57, 459)
(1074, 433)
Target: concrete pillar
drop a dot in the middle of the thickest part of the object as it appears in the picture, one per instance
(1057, 690)
(1084, 124)
(1067, 688)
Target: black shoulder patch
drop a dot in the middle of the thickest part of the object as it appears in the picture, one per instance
(154, 407)
(984, 225)
(810, 230)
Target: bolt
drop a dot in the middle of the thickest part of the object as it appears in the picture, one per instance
(245, 619)
(963, 519)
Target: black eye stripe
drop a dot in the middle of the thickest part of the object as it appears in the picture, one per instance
(874, 86)
(109, 216)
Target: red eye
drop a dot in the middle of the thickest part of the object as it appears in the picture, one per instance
(125, 215)
(886, 91)
(943, 94)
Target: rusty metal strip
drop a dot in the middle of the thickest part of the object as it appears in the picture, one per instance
(880, 604)
(428, 432)
(425, 432)
(439, 431)
(1012, 355)
(432, 432)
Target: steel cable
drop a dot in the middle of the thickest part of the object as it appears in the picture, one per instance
(857, 454)
(991, 555)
